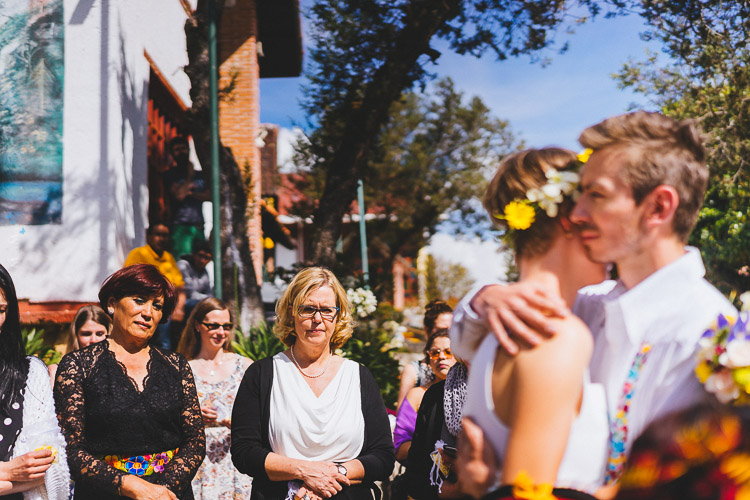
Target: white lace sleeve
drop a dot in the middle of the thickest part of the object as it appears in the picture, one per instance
(40, 428)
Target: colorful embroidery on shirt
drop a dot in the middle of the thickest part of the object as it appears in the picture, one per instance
(618, 427)
(141, 465)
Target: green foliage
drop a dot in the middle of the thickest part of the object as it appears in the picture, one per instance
(707, 78)
(371, 346)
(446, 280)
(366, 54)
(433, 159)
(258, 344)
(35, 346)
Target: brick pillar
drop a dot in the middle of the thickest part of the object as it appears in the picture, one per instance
(239, 112)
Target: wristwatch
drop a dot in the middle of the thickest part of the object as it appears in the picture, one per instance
(341, 469)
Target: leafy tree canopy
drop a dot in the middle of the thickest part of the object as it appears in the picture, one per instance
(706, 76)
(434, 158)
(366, 53)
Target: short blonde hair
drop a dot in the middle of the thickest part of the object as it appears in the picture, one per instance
(518, 173)
(303, 284)
(659, 150)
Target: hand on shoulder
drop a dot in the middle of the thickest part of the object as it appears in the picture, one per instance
(518, 312)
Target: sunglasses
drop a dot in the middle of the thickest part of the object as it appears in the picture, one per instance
(435, 353)
(215, 326)
(310, 311)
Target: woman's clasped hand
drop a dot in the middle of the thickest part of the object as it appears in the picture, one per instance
(321, 479)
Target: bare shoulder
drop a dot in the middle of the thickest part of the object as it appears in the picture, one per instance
(414, 396)
(571, 346)
(409, 369)
(244, 362)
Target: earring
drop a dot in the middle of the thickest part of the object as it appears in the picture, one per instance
(111, 311)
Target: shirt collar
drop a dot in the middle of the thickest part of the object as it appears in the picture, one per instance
(644, 304)
(154, 255)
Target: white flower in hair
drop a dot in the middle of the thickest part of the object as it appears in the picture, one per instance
(549, 196)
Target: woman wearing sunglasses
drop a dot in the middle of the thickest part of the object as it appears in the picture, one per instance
(206, 342)
(308, 424)
(439, 357)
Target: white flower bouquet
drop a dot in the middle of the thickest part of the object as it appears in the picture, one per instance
(363, 302)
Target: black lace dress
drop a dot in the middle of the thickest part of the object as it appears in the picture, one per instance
(102, 412)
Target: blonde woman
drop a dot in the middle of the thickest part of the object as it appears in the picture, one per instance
(307, 423)
(206, 343)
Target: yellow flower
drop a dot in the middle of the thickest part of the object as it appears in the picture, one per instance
(584, 155)
(50, 448)
(525, 489)
(742, 377)
(519, 215)
(703, 371)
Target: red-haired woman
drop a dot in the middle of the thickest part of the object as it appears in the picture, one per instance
(130, 411)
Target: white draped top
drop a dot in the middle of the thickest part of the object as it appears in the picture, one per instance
(330, 427)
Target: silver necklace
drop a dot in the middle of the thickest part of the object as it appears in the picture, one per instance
(212, 365)
(291, 350)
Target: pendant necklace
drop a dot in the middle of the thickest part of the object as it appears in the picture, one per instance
(291, 350)
(212, 365)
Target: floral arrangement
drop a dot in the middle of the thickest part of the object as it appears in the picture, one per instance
(724, 357)
(363, 302)
(520, 214)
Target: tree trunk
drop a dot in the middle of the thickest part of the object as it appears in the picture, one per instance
(240, 286)
(365, 123)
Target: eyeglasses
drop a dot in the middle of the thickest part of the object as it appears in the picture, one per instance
(215, 326)
(435, 353)
(325, 312)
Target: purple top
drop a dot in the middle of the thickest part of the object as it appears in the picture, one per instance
(405, 422)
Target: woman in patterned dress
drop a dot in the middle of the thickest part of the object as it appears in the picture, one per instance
(206, 343)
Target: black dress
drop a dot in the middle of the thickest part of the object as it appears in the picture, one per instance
(102, 412)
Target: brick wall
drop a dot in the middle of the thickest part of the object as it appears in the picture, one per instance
(239, 113)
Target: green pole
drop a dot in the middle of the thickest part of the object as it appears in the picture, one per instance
(215, 197)
(363, 232)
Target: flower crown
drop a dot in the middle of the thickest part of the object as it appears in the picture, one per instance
(520, 214)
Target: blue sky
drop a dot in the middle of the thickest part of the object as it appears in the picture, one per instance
(545, 105)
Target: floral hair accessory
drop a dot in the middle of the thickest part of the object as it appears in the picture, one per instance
(584, 155)
(724, 359)
(549, 196)
(518, 214)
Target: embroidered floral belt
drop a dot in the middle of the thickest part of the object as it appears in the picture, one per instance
(141, 465)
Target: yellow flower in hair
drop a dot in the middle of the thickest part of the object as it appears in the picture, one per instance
(518, 214)
(584, 155)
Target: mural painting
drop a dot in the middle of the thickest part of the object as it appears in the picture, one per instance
(31, 111)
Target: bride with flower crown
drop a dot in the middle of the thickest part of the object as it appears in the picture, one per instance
(546, 422)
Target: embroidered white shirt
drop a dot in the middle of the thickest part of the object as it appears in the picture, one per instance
(669, 310)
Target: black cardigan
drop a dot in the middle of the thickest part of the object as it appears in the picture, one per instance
(250, 422)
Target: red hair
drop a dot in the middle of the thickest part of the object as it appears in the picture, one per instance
(139, 280)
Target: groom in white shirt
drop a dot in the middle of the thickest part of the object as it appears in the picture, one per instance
(641, 191)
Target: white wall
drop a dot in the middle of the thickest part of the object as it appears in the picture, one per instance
(105, 196)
